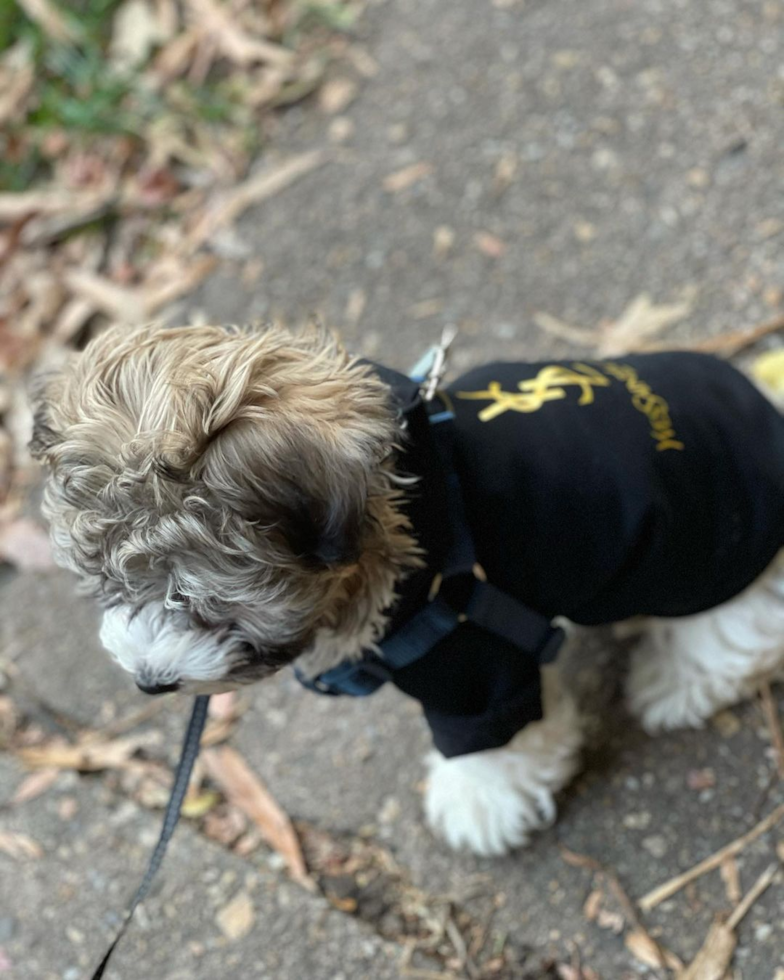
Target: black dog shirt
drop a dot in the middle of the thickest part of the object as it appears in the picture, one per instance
(598, 491)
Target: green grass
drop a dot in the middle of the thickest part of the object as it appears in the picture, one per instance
(79, 92)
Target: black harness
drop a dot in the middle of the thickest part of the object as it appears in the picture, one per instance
(460, 593)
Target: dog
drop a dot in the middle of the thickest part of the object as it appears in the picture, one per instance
(238, 500)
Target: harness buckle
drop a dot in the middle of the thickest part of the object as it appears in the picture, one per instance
(435, 586)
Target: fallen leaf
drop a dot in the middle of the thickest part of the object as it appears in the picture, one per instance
(640, 320)
(648, 951)
(632, 330)
(50, 20)
(225, 824)
(25, 544)
(224, 705)
(699, 779)
(89, 756)
(52, 200)
(245, 790)
(407, 177)
(199, 805)
(236, 919)
(593, 904)
(715, 956)
(489, 245)
(613, 921)
(67, 807)
(768, 369)
(136, 30)
(336, 95)
(34, 785)
(17, 76)
(443, 241)
(216, 22)
(19, 846)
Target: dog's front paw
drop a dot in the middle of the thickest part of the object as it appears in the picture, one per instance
(491, 802)
(474, 803)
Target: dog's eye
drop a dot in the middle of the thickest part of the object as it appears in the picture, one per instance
(176, 600)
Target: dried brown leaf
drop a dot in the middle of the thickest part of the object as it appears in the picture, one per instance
(236, 919)
(217, 24)
(19, 846)
(137, 28)
(613, 921)
(34, 785)
(715, 956)
(632, 330)
(120, 303)
(336, 95)
(91, 756)
(490, 245)
(245, 790)
(50, 20)
(51, 200)
(639, 321)
(593, 904)
(225, 705)
(400, 180)
(225, 824)
(200, 804)
(17, 76)
(648, 951)
(25, 544)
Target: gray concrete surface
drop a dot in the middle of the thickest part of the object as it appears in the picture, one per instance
(646, 138)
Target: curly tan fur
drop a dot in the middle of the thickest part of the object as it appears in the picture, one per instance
(241, 481)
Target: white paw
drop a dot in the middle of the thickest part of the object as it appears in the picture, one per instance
(491, 802)
(664, 698)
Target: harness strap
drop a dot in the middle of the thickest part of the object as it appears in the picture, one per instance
(476, 600)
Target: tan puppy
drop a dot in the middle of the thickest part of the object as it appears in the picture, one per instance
(230, 498)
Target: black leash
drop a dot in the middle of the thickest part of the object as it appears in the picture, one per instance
(188, 755)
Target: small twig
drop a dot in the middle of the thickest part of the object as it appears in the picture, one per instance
(737, 340)
(752, 895)
(627, 905)
(773, 722)
(406, 970)
(460, 948)
(726, 344)
(664, 891)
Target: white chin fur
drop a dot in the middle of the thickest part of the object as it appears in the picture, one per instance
(155, 643)
(490, 802)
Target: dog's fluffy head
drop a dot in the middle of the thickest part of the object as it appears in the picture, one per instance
(227, 494)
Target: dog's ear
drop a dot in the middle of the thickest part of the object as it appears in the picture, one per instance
(324, 531)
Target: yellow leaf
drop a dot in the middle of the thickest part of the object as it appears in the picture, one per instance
(197, 806)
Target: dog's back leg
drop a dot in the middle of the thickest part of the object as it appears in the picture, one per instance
(684, 670)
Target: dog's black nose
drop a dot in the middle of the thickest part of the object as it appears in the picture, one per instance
(149, 688)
